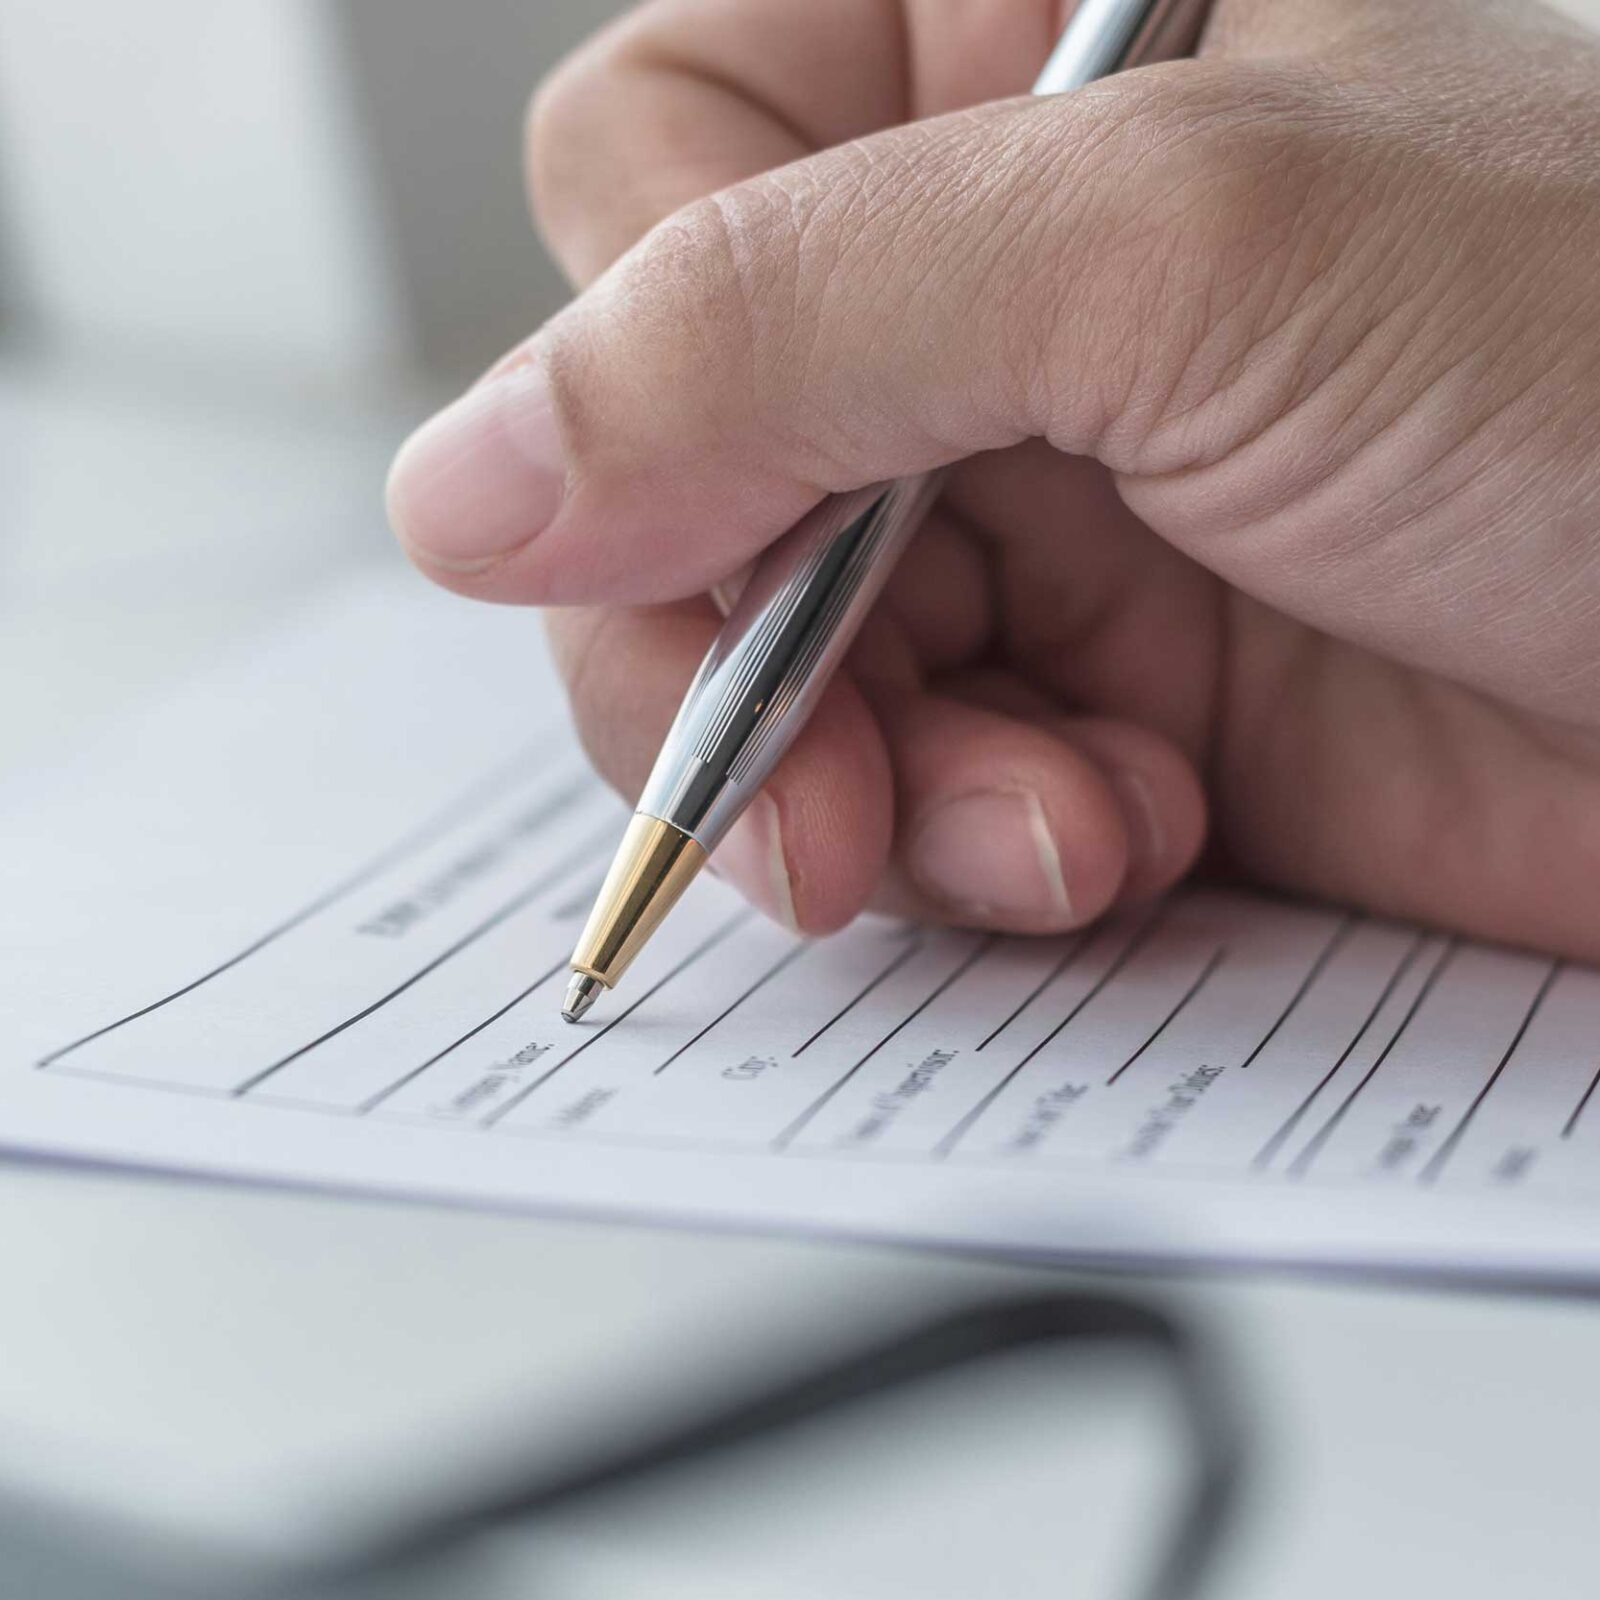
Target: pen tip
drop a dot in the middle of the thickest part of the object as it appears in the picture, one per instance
(580, 996)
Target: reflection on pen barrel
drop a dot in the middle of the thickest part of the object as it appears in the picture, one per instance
(786, 634)
(755, 690)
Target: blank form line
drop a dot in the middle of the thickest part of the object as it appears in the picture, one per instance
(517, 903)
(479, 795)
(1430, 1172)
(1578, 1110)
(1217, 957)
(1329, 950)
(1136, 940)
(1302, 1162)
(135, 1080)
(622, 1016)
(787, 959)
(785, 1138)
(1402, 967)
(1071, 954)
(373, 1101)
(911, 948)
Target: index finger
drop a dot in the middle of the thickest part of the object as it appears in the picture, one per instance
(685, 97)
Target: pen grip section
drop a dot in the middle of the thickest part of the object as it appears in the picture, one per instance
(789, 628)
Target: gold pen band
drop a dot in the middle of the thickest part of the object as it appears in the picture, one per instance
(653, 866)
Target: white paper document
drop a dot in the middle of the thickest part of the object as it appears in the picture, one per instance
(309, 923)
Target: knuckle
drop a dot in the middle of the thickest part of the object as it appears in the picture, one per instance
(1233, 132)
(860, 254)
(761, 241)
(693, 295)
(881, 253)
(714, 312)
(715, 266)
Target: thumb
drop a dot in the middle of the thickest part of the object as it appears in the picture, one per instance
(1035, 268)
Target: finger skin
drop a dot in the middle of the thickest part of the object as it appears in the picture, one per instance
(684, 97)
(691, 435)
(1312, 341)
(1325, 324)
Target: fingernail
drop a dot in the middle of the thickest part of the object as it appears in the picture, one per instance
(483, 477)
(752, 859)
(1147, 839)
(991, 854)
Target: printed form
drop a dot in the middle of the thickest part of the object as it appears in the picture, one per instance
(310, 923)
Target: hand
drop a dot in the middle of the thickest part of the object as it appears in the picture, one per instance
(1275, 381)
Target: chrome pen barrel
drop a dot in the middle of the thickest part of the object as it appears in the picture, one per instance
(786, 633)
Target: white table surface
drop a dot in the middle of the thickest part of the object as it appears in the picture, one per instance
(236, 1362)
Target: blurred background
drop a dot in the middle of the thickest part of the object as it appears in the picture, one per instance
(243, 248)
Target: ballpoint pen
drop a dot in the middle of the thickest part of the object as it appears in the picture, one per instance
(802, 607)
